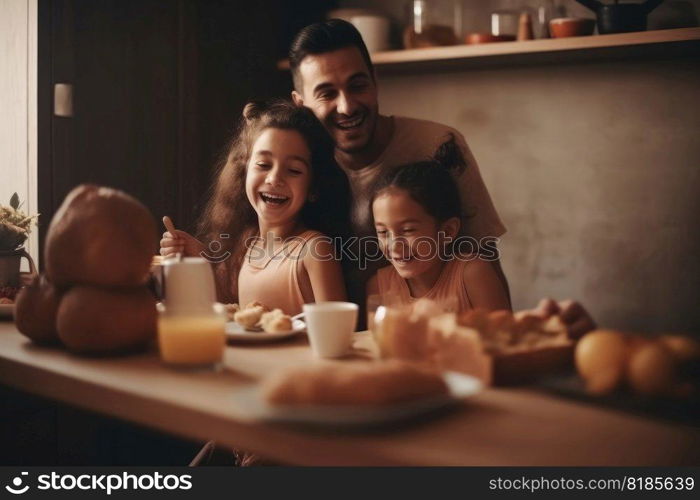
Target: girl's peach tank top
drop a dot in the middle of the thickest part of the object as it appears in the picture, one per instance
(449, 290)
(272, 278)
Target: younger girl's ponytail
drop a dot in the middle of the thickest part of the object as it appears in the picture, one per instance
(431, 183)
(450, 156)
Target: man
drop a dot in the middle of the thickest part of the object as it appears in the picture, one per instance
(334, 77)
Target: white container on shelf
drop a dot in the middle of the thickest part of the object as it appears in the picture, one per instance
(374, 31)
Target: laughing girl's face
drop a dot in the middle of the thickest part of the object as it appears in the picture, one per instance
(278, 176)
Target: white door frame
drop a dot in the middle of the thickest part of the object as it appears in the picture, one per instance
(18, 106)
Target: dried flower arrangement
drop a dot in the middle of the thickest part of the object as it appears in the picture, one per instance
(15, 225)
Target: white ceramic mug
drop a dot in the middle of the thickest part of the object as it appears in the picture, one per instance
(330, 326)
(189, 286)
(374, 31)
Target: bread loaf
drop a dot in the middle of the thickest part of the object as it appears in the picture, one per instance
(100, 236)
(353, 383)
(103, 321)
(35, 311)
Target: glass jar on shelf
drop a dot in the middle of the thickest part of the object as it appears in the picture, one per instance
(546, 11)
(433, 23)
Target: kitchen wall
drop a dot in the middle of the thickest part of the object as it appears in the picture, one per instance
(594, 170)
(18, 139)
(593, 167)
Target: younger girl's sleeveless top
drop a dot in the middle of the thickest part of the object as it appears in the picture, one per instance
(449, 289)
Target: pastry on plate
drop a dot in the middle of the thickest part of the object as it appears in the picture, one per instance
(231, 310)
(255, 303)
(503, 332)
(276, 321)
(248, 317)
(372, 383)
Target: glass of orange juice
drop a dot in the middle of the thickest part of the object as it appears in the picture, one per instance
(192, 340)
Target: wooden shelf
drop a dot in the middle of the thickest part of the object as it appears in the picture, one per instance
(672, 42)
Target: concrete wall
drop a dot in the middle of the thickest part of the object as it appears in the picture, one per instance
(18, 80)
(595, 170)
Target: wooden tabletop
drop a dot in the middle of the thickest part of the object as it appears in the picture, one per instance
(498, 427)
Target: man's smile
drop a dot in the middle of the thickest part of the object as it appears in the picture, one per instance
(351, 123)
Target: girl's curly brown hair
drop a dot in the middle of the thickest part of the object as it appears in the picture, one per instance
(228, 210)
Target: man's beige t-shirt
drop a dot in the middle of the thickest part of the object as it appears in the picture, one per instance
(417, 140)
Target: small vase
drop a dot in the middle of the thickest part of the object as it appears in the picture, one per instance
(10, 264)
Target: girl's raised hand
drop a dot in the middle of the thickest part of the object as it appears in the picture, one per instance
(180, 242)
(175, 241)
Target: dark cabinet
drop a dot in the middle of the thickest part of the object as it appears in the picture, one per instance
(157, 86)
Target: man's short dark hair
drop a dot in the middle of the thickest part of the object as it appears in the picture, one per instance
(326, 36)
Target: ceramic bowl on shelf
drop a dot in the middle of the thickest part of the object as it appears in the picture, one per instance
(564, 27)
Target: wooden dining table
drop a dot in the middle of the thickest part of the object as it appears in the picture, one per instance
(497, 427)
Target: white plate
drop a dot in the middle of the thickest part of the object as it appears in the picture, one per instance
(235, 331)
(249, 401)
(7, 310)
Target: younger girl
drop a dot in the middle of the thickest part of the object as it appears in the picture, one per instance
(416, 211)
(277, 204)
